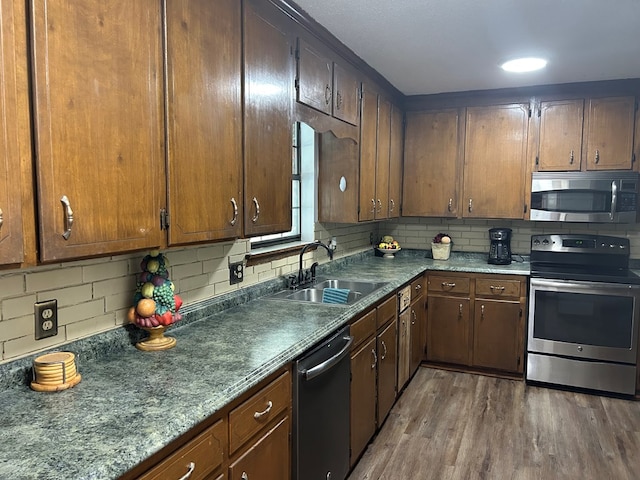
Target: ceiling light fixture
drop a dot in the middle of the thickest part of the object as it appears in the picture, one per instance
(521, 65)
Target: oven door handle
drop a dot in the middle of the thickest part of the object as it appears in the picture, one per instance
(614, 200)
(319, 369)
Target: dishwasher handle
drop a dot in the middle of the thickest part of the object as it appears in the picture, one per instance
(313, 372)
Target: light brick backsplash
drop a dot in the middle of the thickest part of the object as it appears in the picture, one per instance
(94, 295)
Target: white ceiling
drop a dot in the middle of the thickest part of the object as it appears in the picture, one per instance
(434, 46)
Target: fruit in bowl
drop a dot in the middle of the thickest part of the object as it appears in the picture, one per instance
(392, 245)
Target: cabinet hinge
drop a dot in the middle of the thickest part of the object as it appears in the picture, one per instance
(537, 160)
(525, 208)
(297, 83)
(529, 112)
(164, 219)
(520, 313)
(633, 158)
(518, 360)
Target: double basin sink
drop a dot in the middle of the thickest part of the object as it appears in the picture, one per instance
(358, 289)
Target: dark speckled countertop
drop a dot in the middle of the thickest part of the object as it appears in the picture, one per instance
(130, 404)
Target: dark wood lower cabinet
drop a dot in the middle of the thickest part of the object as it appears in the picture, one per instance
(496, 327)
(387, 367)
(363, 397)
(448, 330)
(268, 458)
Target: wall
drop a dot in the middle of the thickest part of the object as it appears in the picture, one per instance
(94, 295)
(473, 235)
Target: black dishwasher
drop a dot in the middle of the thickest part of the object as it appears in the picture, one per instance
(321, 395)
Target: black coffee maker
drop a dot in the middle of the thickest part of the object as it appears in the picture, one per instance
(500, 248)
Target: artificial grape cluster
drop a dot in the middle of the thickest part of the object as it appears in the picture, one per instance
(155, 301)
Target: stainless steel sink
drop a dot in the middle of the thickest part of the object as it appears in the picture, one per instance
(313, 294)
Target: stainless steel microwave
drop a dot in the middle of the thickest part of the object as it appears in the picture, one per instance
(606, 197)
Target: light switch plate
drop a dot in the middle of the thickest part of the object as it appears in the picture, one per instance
(46, 314)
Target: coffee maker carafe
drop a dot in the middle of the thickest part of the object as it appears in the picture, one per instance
(500, 248)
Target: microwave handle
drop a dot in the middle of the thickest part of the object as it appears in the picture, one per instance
(614, 199)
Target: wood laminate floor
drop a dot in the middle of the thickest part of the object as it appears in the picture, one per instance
(457, 426)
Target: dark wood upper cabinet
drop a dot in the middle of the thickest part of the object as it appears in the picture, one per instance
(432, 163)
(98, 115)
(204, 123)
(13, 38)
(395, 161)
(326, 84)
(560, 139)
(269, 72)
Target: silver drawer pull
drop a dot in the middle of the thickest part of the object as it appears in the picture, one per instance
(257, 415)
(375, 359)
(413, 312)
(192, 467)
(418, 287)
(1, 218)
(482, 311)
(448, 284)
(499, 288)
(460, 310)
(68, 217)
(384, 355)
(244, 476)
(373, 205)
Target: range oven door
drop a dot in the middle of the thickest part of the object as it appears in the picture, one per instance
(584, 320)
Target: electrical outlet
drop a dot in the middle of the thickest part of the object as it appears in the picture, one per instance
(46, 314)
(236, 272)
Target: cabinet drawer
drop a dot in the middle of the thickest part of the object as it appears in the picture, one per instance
(497, 287)
(417, 288)
(256, 412)
(386, 311)
(363, 328)
(448, 284)
(203, 455)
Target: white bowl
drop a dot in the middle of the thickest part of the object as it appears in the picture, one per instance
(388, 252)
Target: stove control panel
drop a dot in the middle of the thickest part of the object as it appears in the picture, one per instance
(580, 243)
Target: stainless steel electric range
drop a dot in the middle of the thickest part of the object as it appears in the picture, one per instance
(584, 313)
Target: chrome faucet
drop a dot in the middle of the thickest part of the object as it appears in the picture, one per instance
(301, 274)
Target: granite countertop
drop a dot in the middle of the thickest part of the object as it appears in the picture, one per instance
(130, 404)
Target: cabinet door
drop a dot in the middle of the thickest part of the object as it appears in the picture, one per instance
(560, 147)
(387, 367)
(382, 158)
(315, 77)
(268, 459)
(368, 142)
(204, 122)
(98, 87)
(610, 135)
(404, 347)
(346, 93)
(268, 95)
(363, 397)
(395, 162)
(495, 162)
(496, 335)
(432, 164)
(448, 330)
(11, 244)
(418, 327)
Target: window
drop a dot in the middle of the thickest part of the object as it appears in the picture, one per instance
(302, 192)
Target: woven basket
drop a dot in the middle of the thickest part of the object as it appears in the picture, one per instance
(440, 251)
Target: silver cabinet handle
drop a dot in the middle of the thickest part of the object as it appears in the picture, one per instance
(614, 199)
(1, 218)
(327, 94)
(482, 311)
(418, 287)
(373, 205)
(571, 158)
(384, 345)
(68, 217)
(499, 288)
(450, 205)
(338, 100)
(379, 205)
(471, 204)
(448, 284)
(235, 212)
(413, 313)
(254, 219)
(244, 476)
(257, 415)
(597, 156)
(375, 358)
(191, 467)
(392, 205)
(460, 310)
